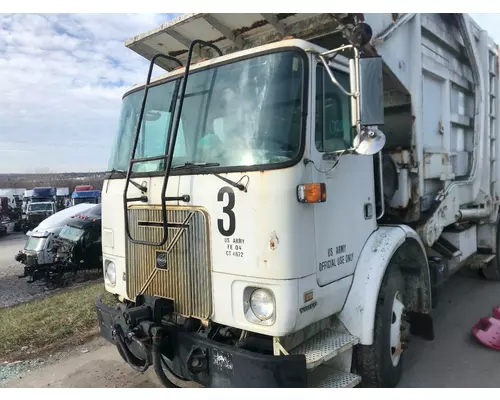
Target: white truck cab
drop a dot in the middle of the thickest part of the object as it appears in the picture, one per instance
(272, 202)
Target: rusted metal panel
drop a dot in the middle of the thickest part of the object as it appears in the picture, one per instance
(230, 32)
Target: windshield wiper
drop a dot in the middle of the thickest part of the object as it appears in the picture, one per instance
(142, 188)
(189, 165)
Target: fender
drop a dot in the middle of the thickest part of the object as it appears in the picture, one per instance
(358, 314)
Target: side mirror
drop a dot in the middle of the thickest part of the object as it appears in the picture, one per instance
(366, 93)
(370, 89)
(367, 81)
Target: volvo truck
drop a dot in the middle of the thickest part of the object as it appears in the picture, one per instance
(283, 204)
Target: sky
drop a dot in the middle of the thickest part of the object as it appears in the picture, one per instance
(62, 77)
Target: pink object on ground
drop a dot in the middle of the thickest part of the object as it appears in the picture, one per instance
(487, 330)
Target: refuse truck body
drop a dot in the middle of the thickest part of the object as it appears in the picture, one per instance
(283, 205)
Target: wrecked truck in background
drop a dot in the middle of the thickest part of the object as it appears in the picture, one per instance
(69, 243)
(10, 218)
(38, 247)
(62, 193)
(41, 206)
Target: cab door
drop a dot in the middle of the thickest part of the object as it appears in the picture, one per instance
(345, 221)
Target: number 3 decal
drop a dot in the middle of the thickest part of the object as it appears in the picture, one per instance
(228, 210)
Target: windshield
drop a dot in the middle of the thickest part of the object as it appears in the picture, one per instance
(35, 243)
(88, 200)
(246, 113)
(70, 233)
(40, 207)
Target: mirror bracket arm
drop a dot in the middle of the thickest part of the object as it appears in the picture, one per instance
(333, 79)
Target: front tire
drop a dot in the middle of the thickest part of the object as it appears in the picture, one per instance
(380, 364)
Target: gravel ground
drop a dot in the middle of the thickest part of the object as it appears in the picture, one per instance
(20, 370)
(12, 289)
(453, 359)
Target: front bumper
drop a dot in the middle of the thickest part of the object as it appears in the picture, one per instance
(206, 361)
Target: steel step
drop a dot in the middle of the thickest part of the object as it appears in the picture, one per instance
(324, 346)
(326, 377)
(478, 260)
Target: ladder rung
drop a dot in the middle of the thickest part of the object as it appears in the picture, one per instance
(156, 158)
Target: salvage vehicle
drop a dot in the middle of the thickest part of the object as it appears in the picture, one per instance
(26, 199)
(42, 205)
(8, 217)
(83, 188)
(86, 196)
(65, 246)
(38, 250)
(36, 212)
(61, 195)
(259, 227)
(13, 196)
(44, 194)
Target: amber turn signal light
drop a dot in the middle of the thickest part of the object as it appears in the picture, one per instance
(311, 193)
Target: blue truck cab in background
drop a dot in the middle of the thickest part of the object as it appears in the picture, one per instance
(87, 196)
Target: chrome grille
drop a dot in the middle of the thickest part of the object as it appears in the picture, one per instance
(186, 280)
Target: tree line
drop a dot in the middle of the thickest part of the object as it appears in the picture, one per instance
(69, 180)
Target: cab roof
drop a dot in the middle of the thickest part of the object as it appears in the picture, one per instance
(87, 217)
(230, 32)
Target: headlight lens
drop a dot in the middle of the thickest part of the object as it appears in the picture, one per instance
(262, 304)
(110, 272)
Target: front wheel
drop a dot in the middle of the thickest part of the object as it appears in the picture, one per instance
(380, 364)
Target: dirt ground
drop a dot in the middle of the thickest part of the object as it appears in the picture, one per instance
(95, 365)
(453, 359)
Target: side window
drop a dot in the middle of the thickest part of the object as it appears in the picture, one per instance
(333, 112)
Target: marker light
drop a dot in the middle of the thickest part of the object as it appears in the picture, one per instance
(311, 193)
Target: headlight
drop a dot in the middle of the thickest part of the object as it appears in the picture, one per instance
(262, 304)
(110, 272)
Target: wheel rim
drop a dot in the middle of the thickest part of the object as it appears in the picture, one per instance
(396, 348)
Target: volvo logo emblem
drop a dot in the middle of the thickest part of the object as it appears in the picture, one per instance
(161, 259)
